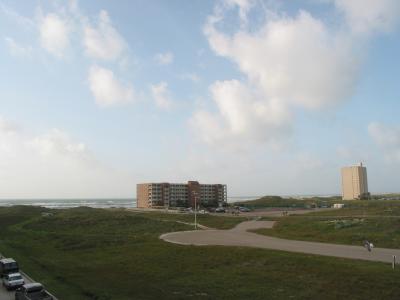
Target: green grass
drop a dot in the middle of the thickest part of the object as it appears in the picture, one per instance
(88, 253)
(277, 201)
(218, 222)
(377, 208)
(288, 202)
(376, 221)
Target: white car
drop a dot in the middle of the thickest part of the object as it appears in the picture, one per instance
(13, 281)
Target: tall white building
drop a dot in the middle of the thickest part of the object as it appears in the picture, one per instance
(354, 182)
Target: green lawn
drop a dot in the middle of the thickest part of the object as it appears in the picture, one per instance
(218, 222)
(88, 253)
(277, 201)
(288, 202)
(376, 221)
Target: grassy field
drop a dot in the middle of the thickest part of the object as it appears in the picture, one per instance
(376, 221)
(277, 201)
(217, 222)
(88, 253)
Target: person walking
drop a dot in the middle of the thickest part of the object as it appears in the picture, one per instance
(368, 245)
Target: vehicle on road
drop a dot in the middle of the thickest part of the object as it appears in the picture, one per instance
(244, 209)
(220, 210)
(8, 266)
(13, 281)
(32, 291)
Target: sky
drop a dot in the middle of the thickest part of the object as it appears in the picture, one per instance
(268, 97)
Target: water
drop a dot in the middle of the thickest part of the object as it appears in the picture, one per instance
(96, 203)
(69, 203)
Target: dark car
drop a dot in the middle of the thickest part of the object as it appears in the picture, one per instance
(32, 291)
(8, 266)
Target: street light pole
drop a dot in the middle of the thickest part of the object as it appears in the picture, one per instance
(195, 210)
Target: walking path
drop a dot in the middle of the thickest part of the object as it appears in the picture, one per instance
(192, 224)
(239, 236)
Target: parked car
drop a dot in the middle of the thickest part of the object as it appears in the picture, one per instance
(13, 281)
(32, 291)
(8, 266)
(220, 210)
(244, 209)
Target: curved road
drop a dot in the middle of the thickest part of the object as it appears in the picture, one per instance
(239, 236)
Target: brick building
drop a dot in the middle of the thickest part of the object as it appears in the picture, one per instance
(180, 194)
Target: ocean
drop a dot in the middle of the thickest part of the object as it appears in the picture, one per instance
(70, 203)
(95, 203)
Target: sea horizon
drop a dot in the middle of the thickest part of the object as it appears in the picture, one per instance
(60, 203)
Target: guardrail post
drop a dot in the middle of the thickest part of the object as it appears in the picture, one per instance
(394, 262)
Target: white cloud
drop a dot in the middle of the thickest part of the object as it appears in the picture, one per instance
(54, 165)
(161, 95)
(243, 115)
(16, 49)
(293, 59)
(108, 90)
(54, 34)
(387, 138)
(164, 58)
(288, 62)
(369, 16)
(103, 41)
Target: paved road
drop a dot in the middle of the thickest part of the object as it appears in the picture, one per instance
(9, 295)
(239, 236)
(277, 212)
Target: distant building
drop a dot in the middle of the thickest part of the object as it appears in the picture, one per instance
(180, 194)
(354, 182)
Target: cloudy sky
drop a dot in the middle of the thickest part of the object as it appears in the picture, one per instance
(269, 97)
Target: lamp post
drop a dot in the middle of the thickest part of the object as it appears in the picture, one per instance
(195, 209)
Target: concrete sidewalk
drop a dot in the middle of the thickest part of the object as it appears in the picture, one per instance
(239, 236)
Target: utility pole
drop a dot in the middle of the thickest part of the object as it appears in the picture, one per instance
(195, 209)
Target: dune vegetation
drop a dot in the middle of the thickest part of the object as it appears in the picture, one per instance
(87, 253)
